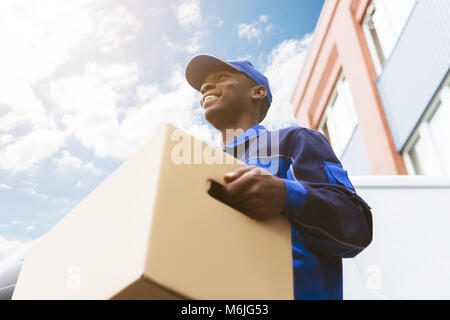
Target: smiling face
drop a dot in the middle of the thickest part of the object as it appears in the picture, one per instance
(227, 98)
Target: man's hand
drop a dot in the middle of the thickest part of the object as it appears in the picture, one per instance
(255, 192)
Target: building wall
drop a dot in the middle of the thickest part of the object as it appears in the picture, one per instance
(416, 68)
(339, 46)
(408, 257)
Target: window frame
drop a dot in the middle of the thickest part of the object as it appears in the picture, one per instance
(379, 57)
(422, 130)
(327, 114)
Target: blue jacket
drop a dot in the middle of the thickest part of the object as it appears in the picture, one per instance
(329, 220)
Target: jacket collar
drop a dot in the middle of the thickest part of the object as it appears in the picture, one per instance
(249, 134)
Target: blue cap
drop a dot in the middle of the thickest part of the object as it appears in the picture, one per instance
(200, 66)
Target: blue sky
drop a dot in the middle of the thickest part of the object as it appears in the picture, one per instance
(85, 83)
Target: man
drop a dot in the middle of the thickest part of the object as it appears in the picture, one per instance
(308, 186)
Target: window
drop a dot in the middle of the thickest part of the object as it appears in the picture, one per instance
(382, 26)
(340, 119)
(428, 152)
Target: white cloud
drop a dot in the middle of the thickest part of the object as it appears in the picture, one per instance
(254, 30)
(115, 28)
(188, 12)
(4, 186)
(218, 21)
(269, 27)
(145, 93)
(117, 75)
(250, 31)
(40, 38)
(91, 167)
(263, 18)
(178, 104)
(192, 45)
(88, 107)
(79, 184)
(30, 228)
(245, 57)
(7, 247)
(44, 33)
(5, 139)
(69, 161)
(29, 150)
(87, 104)
(284, 65)
(30, 188)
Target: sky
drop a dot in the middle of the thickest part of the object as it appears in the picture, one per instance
(85, 83)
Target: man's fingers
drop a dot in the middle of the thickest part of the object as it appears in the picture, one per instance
(235, 174)
(251, 189)
(242, 183)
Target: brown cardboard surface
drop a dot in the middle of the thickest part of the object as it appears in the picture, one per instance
(151, 231)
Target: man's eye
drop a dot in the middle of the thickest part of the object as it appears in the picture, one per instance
(222, 75)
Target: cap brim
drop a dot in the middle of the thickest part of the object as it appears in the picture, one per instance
(200, 66)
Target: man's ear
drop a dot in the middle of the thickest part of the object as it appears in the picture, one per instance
(259, 92)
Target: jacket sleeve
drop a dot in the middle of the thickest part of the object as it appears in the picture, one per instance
(321, 202)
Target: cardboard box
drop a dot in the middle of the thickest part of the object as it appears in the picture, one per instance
(151, 230)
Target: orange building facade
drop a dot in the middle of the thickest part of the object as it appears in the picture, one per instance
(340, 50)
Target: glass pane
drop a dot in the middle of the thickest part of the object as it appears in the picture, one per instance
(372, 48)
(440, 133)
(344, 114)
(414, 154)
(339, 119)
(398, 12)
(333, 130)
(383, 27)
(389, 18)
(347, 94)
(423, 158)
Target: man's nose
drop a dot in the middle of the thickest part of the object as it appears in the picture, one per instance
(205, 87)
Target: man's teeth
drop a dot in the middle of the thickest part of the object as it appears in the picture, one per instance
(209, 97)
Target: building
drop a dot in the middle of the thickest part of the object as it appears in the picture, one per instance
(376, 83)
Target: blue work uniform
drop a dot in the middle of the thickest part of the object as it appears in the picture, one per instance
(329, 220)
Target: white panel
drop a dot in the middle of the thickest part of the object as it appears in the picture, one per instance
(408, 257)
(416, 68)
